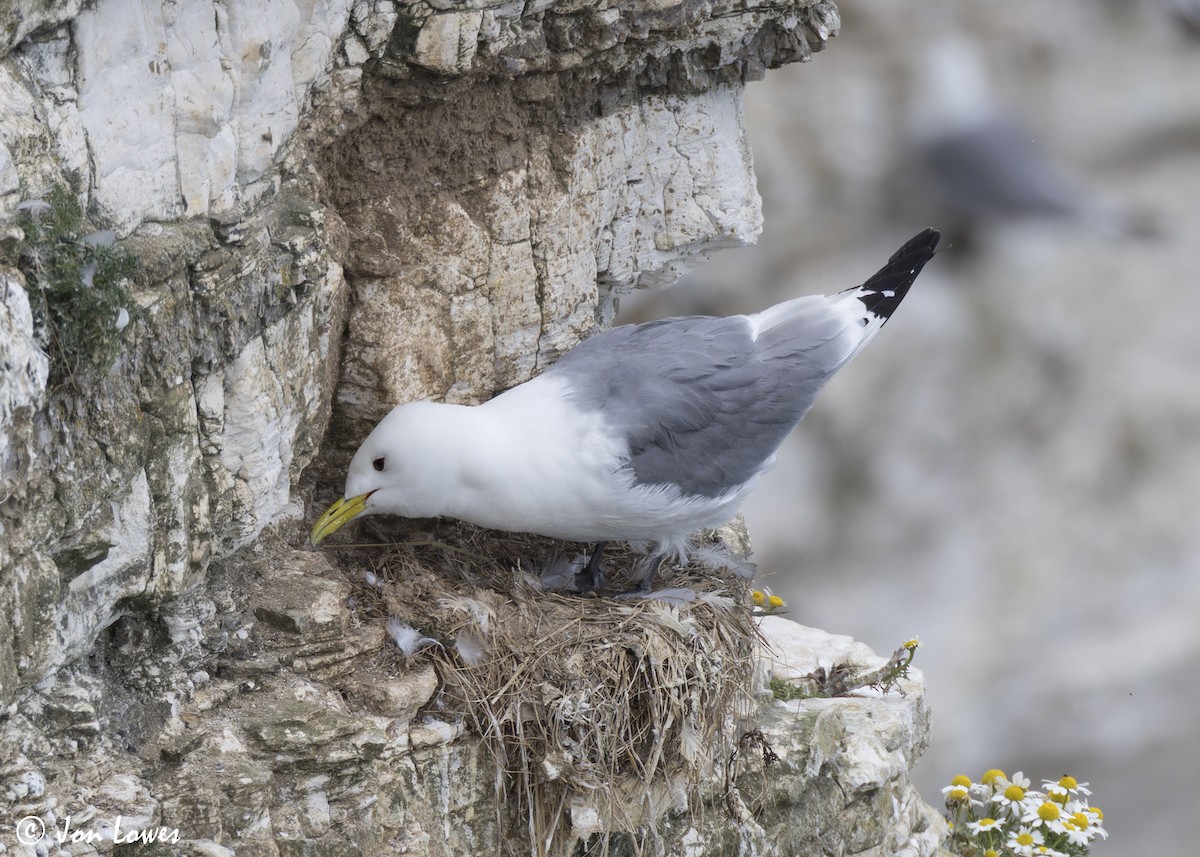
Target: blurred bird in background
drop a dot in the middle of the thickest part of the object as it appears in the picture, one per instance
(974, 163)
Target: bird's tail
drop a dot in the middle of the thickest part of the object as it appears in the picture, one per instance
(882, 293)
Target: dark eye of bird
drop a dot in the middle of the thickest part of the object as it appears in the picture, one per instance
(378, 463)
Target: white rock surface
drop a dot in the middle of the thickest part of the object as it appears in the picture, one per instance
(127, 108)
(182, 108)
(263, 409)
(793, 650)
(687, 199)
(24, 17)
(91, 596)
(23, 381)
(10, 181)
(866, 742)
(20, 131)
(447, 41)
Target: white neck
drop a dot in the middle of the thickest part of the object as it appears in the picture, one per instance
(514, 467)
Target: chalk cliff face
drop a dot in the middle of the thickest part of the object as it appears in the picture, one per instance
(337, 206)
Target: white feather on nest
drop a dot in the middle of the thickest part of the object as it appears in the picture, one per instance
(409, 639)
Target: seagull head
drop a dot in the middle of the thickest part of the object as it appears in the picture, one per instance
(406, 466)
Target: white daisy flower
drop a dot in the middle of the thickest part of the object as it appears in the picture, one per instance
(1079, 829)
(983, 825)
(1066, 785)
(1023, 840)
(1097, 820)
(1019, 779)
(1011, 794)
(1046, 813)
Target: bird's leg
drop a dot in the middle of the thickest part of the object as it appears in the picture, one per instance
(647, 581)
(591, 579)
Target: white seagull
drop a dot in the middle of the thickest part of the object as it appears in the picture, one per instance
(644, 433)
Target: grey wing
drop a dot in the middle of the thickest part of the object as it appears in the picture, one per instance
(704, 402)
(703, 405)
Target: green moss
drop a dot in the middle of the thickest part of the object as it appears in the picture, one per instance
(77, 286)
(786, 691)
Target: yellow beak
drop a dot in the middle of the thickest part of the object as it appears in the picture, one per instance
(337, 515)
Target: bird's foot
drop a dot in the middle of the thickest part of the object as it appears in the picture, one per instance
(590, 584)
(644, 586)
(590, 580)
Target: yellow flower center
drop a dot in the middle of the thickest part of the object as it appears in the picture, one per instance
(1095, 810)
(1025, 839)
(759, 598)
(987, 822)
(1014, 793)
(1080, 820)
(1068, 782)
(961, 780)
(1060, 797)
(991, 852)
(774, 600)
(992, 776)
(957, 794)
(1049, 811)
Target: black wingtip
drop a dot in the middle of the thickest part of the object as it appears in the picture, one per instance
(884, 291)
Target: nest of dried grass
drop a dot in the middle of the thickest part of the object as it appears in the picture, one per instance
(601, 714)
